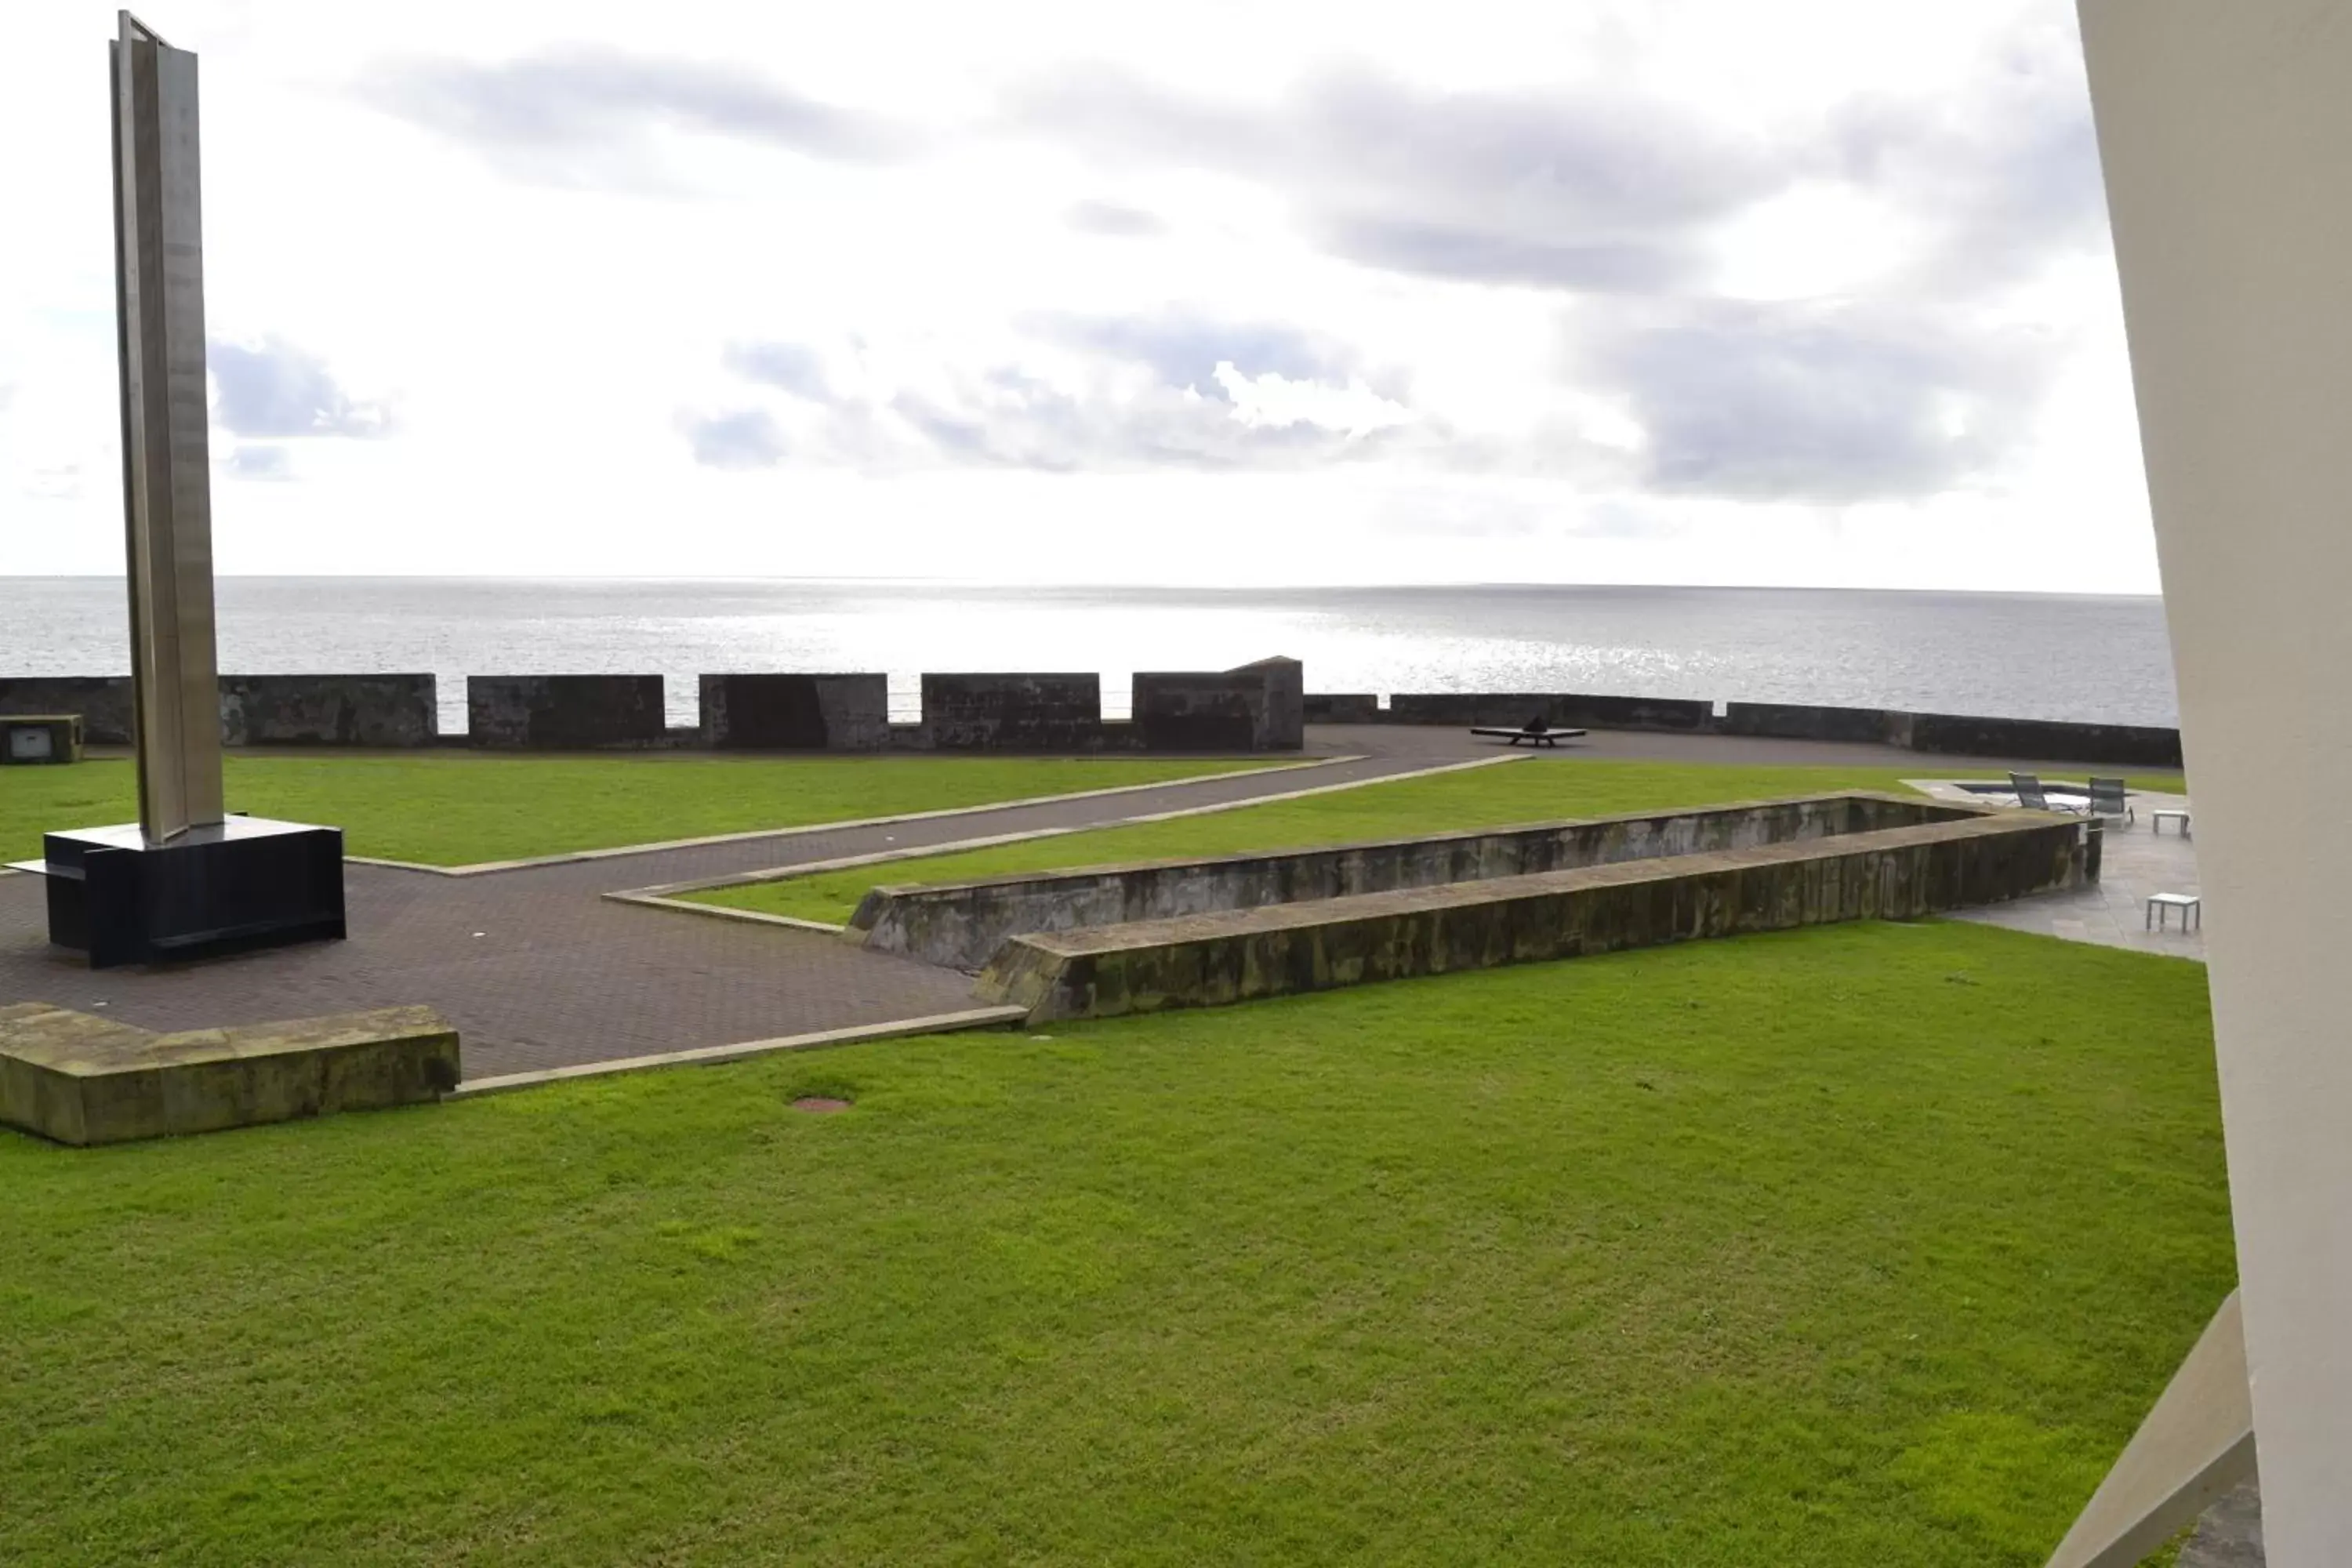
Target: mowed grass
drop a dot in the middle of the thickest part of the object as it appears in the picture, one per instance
(456, 809)
(1535, 790)
(1856, 1245)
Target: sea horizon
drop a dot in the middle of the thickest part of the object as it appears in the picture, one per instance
(2084, 657)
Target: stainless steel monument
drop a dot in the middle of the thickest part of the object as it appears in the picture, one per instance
(159, 299)
(187, 878)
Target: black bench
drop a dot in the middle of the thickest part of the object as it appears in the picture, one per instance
(1536, 734)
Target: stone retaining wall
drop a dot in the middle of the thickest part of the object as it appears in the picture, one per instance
(81, 1078)
(1238, 955)
(959, 925)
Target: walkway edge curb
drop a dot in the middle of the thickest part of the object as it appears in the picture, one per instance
(486, 867)
(708, 1056)
(664, 895)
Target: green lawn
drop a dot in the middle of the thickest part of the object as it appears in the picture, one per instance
(1856, 1245)
(1533, 791)
(456, 809)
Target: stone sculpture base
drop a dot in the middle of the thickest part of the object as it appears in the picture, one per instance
(79, 1078)
(242, 883)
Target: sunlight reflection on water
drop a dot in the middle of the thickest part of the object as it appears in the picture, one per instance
(2014, 655)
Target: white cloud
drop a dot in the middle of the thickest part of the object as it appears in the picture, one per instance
(1625, 290)
(1270, 399)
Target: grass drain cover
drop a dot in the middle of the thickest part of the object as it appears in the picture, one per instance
(819, 1104)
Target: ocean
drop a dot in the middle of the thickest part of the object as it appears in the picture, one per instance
(2020, 656)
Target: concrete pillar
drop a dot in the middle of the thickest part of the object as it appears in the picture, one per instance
(2226, 131)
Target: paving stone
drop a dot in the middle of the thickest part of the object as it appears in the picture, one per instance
(537, 971)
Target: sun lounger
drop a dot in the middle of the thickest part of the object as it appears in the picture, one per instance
(2033, 797)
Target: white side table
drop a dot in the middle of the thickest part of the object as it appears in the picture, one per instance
(2161, 905)
(2156, 821)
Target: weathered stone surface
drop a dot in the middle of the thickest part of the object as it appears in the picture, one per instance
(82, 1079)
(2230, 1534)
(2115, 745)
(1013, 712)
(1208, 959)
(1560, 710)
(2118, 745)
(255, 710)
(1284, 726)
(1260, 707)
(1200, 713)
(565, 712)
(1342, 707)
(388, 710)
(792, 712)
(960, 925)
(103, 700)
(1798, 721)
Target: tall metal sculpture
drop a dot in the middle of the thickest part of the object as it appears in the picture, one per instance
(187, 878)
(159, 281)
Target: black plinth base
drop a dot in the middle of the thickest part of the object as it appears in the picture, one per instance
(243, 883)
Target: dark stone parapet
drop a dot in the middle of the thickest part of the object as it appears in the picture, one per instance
(2115, 745)
(1258, 707)
(1797, 722)
(2112, 745)
(796, 712)
(1343, 708)
(383, 710)
(103, 701)
(565, 712)
(1013, 712)
(255, 710)
(1556, 710)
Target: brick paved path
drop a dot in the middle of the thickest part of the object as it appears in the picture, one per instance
(537, 971)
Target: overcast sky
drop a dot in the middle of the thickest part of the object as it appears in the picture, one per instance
(1660, 291)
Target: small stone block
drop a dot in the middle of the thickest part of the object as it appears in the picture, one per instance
(81, 1079)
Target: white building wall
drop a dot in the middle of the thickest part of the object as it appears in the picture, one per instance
(2226, 131)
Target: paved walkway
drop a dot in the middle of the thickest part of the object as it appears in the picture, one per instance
(538, 970)
(2134, 861)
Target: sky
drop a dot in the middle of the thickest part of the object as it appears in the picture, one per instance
(1702, 291)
